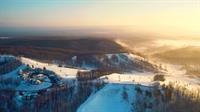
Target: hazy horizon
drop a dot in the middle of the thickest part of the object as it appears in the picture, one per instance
(161, 18)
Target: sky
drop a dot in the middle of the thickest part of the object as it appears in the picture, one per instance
(164, 17)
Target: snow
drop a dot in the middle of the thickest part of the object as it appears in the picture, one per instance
(145, 78)
(24, 86)
(174, 72)
(88, 66)
(121, 43)
(133, 56)
(178, 76)
(109, 55)
(13, 74)
(109, 99)
(74, 59)
(173, 75)
(6, 57)
(61, 71)
(121, 56)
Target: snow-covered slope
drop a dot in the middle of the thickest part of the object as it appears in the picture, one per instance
(110, 99)
(117, 61)
(144, 78)
(61, 71)
(175, 74)
(13, 74)
(24, 86)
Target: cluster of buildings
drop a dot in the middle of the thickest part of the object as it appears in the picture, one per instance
(33, 76)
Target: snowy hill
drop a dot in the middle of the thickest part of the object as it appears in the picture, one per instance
(124, 62)
(61, 71)
(110, 99)
(113, 92)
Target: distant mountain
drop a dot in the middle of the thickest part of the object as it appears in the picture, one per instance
(185, 55)
(58, 49)
(84, 53)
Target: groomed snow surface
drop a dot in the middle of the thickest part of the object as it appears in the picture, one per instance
(144, 78)
(110, 99)
(61, 71)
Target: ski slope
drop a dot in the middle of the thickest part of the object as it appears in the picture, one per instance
(144, 78)
(110, 99)
(61, 71)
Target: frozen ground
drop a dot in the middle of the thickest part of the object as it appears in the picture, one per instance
(24, 86)
(178, 76)
(61, 71)
(145, 78)
(13, 74)
(173, 74)
(110, 99)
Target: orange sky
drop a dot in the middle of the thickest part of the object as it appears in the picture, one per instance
(165, 17)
